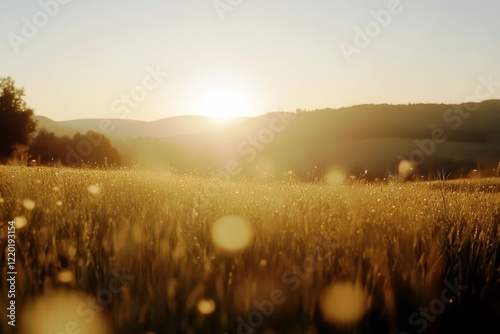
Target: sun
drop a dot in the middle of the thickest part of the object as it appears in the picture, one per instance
(222, 105)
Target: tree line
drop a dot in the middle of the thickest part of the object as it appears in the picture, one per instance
(21, 142)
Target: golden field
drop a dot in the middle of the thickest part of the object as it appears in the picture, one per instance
(132, 251)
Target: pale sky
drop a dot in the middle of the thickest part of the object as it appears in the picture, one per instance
(85, 56)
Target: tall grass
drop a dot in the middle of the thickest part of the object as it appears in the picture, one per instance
(397, 243)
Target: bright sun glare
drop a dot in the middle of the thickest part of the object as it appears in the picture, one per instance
(222, 105)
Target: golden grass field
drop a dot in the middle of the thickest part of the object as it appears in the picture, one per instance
(131, 251)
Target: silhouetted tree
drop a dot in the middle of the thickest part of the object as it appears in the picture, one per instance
(17, 125)
(48, 148)
(102, 148)
(92, 147)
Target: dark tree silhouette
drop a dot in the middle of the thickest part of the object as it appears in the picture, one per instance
(17, 125)
(48, 148)
(101, 148)
(89, 148)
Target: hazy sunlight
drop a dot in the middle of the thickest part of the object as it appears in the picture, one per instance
(222, 105)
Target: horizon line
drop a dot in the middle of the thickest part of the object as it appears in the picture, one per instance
(263, 114)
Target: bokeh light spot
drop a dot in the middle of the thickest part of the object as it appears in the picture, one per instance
(20, 222)
(28, 204)
(405, 168)
(65, 276)
(57, 312)
(343, 303)
(231, 233)
(335, 177)
(94, 189)
(206, 306)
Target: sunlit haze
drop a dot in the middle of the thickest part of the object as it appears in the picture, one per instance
(249, 166)
(82, 58)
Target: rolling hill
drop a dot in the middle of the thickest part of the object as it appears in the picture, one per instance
(123, 128)
(369, 139)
